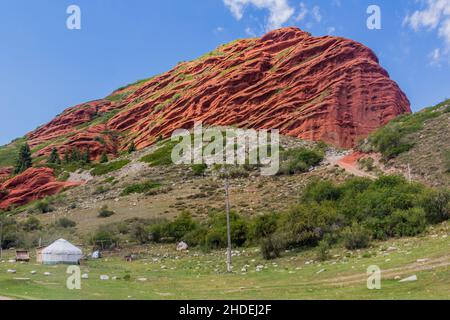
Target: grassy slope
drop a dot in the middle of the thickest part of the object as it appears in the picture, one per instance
(422, 141)
(202, 276)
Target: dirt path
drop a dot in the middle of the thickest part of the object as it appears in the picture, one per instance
(350, 164)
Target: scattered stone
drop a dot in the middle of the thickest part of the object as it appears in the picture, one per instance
(11, 271)
(104, 277)
(142, 279)
(321, 271)
(33, 272)
(47, 274)
(397, 278)
(12, 261)
(409, 279)
(422, 260)
(182, 246)
(392, 249)
(84, 276)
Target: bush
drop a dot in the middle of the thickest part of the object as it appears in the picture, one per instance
(161, 156)
(65, 223)
(263, 226)
(102, 169)
(320, 191)
(272, 247)
(299, 160)
(217, 231)
(199, 169)
(436, 204)
(175, 230)
(407, 223)
(323, 251)
(140, 188)
(447, 160)
(44, 206)
(104, 212)
(105, 237)
(306, 225)
(31, 224)
(356, 237)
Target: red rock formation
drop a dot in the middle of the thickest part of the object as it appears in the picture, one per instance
(5, 173)
(316, 88)
(33, 184)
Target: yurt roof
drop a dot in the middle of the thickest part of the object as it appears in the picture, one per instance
(61, 246)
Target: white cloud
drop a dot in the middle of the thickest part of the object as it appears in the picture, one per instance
(304, 12)
(435, 15)
(435, 57)
(279, 10)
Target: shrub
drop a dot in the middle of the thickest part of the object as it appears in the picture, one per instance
(356, 237)
(140, 188)
(320, 191)
(104, 237)
(161, 156)
(299, 160)
(323, 251)
(31, 224)
(199, 169)
(175, 230)
(436, 204)
(139, 233)
(263, 226)
(102, 169)
(407, 223)
(447, 160)
(217, 230)
(272, 247)
(44, 206)
(65, 223)
(104, 212)
(305, 225)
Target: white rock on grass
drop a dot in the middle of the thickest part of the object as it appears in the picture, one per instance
(11, 271)
(321, 271)
(409, 279)
(422, 260)
(33, 272)
(84, 276)
(47, 274)
(104, 277)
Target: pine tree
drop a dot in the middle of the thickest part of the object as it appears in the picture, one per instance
(75, 155)
(24, 160)
(66, 157)
(86, 157)
(104, 158)
(54, 157)
(132, 148)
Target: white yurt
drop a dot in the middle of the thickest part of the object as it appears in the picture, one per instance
(61, 252)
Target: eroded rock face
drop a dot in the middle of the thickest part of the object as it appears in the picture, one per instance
(316, 88)
(33, 184)
(5, 173)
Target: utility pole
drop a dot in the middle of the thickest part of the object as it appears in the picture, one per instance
(409, 173)
(227, 206)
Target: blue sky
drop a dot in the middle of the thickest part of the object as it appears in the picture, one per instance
(45, 68)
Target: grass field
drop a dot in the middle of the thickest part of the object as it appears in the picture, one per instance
(163, 273)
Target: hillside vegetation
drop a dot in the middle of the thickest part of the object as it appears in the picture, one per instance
(420, 140)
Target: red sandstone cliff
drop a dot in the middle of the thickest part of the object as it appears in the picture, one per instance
(317, 88)
(33, 184)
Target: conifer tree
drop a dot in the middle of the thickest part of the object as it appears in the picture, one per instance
(24, 160)
(54, 157)
(132, 148)
(86, 157)
(104, 158)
